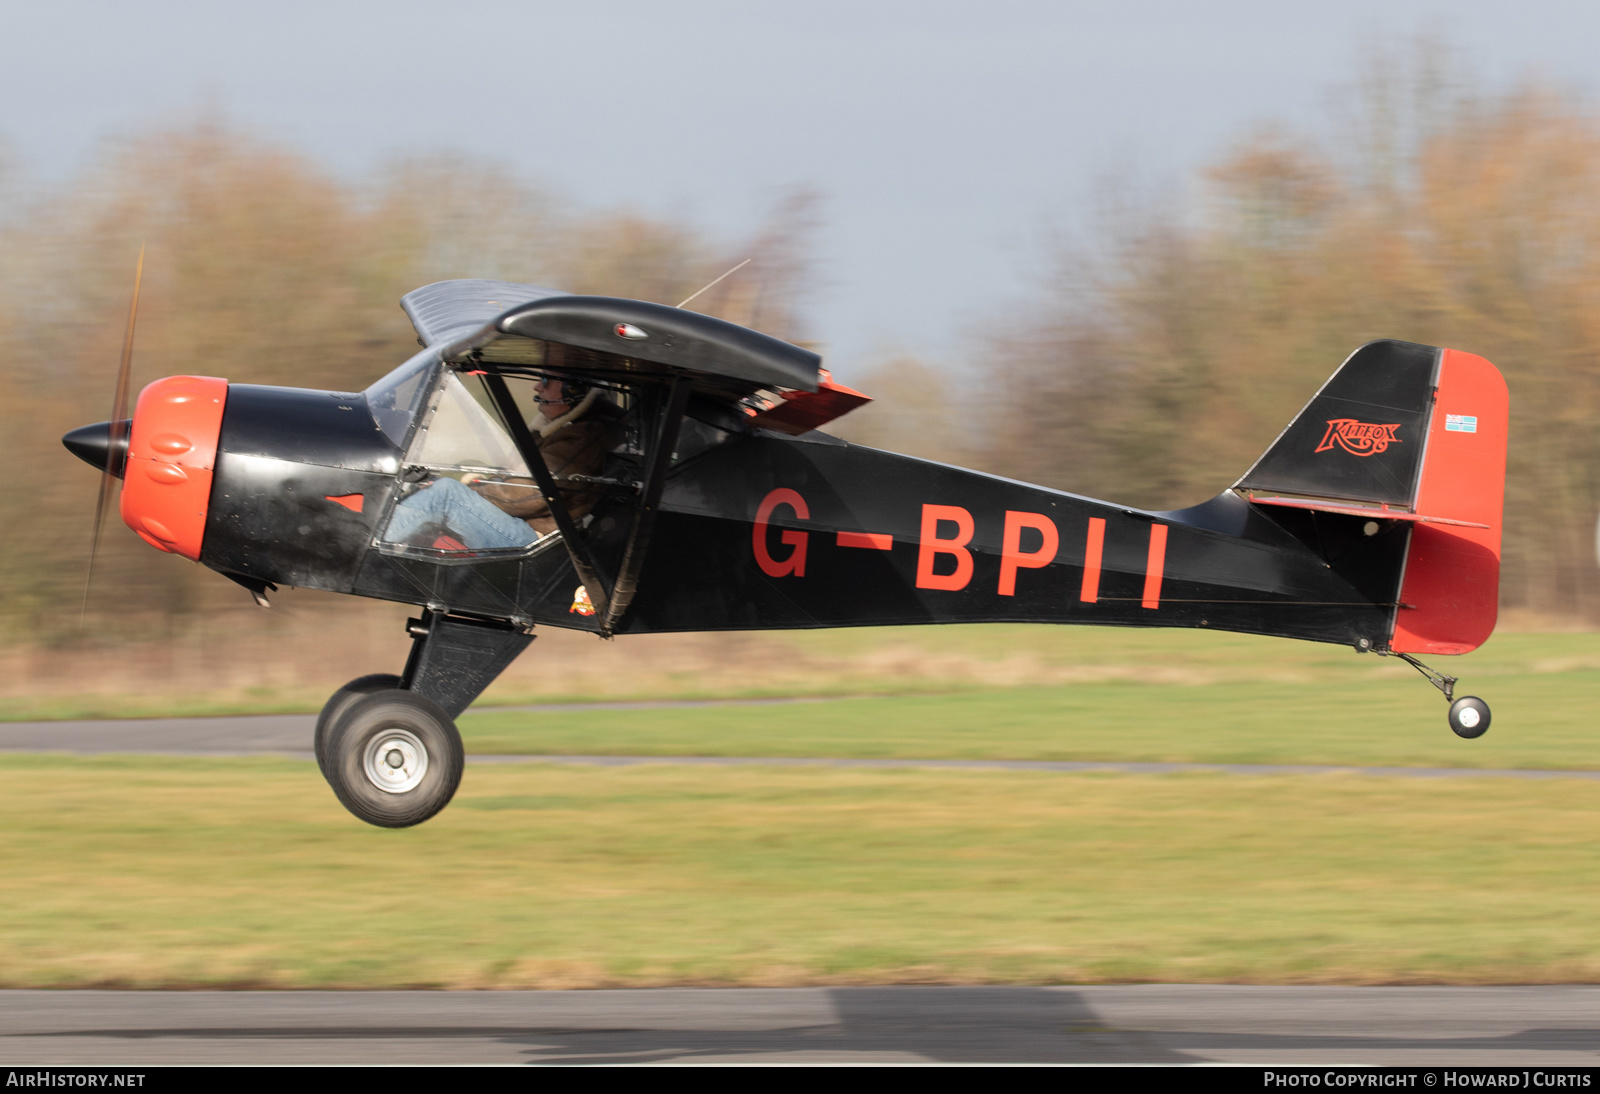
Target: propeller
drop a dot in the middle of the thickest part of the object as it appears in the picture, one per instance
(117, 438)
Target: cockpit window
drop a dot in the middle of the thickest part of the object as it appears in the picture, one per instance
(463, 436)
(394, 398)
(465, 488)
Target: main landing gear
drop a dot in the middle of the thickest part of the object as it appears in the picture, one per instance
(393, 758)
(1469, 715)
(388, 745)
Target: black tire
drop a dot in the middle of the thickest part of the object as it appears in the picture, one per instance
(1469, 717)
(336, 704)
(394, 758)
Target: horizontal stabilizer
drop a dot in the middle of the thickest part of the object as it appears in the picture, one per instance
(1318, 505)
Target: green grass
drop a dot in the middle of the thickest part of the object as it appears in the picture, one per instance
(161, 704)
(161, 872)
(1277, 703)
(1176, 655)
(1381, 723)
(933, 660)
(153, 872)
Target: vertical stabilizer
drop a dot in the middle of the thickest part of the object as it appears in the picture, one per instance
(1415, 435)
(1361, 437)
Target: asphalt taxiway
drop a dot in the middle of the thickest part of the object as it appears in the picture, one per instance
(290, 735)
(1162, 1024)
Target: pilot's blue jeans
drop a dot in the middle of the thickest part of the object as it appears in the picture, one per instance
(475, 521)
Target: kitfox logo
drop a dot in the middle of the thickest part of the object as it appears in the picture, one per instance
(1358, 438)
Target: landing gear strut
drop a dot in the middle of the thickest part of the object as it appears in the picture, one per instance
(1469, 715)
(388, 745)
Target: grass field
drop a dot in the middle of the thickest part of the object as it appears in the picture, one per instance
(154, 872)
(242, 665)
(1210, 698)
(1543, 722)
(133, 871)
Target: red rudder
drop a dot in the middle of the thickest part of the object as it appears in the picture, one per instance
(1450, 594)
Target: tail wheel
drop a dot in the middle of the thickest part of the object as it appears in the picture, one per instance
(393, 758)
(1469, 717)
(339, 702)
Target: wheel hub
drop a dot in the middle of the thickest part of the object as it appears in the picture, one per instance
(395, 761)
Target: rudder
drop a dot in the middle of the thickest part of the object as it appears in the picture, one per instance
(1450, 596)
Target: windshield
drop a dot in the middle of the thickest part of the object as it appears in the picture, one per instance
(463, 436)
(394, 398)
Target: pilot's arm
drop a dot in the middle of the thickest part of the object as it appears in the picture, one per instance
(577, 449)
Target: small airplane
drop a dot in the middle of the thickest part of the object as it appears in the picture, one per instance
(1373, 521)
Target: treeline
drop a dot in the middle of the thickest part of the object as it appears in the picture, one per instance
(1170, 345)
(264, 268)
(1163, 352)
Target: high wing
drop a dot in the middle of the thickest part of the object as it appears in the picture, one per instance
(453, 309)
(632, 341)
(512, 329)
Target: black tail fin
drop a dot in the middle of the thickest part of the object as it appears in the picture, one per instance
(1360, 438)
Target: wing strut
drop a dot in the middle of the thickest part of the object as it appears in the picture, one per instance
(583, 562)
(665, 439)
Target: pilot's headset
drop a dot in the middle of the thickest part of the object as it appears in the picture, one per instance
(572, 391)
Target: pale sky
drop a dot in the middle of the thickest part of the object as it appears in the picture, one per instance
(946, 137)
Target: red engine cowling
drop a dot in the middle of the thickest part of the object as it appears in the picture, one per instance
(172, 450)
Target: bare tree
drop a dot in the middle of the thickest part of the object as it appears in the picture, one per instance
(1171, 353)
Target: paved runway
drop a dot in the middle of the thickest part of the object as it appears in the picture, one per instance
(245, 734)
(1176, 1024)
(290, 735)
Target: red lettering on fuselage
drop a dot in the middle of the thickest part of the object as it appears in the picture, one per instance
(1013, 557)
(1093, 552)
(795, 563)
(932, 547)
(946, 533)
(1155, 565)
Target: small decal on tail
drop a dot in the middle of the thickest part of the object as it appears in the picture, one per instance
(1460, 423)
(1358, 438)
(581, 604)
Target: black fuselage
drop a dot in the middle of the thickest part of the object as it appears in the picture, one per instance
(763, 531)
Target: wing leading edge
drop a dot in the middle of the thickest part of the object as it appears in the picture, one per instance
(446, 310)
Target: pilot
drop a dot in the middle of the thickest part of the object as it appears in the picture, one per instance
(574, 430)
